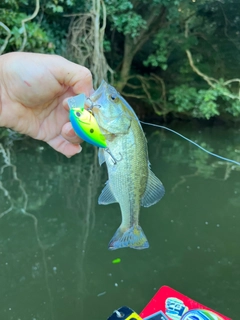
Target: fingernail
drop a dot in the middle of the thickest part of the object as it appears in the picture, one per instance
(76, 152)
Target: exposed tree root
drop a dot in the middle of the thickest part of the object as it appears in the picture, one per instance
(144, 86)
(86, 38)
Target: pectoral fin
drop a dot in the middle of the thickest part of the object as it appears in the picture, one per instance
(154, 190)
(101, 156)
(106, 197)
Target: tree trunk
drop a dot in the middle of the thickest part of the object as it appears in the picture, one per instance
(132, 46)
(127, 62)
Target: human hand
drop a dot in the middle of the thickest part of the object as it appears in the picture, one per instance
(32, 90)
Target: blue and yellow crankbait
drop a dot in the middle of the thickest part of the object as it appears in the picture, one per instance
(83, 122)
(125, 313)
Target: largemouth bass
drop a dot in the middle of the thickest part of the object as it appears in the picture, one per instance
(131, 182)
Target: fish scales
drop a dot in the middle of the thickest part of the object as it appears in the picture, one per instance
(131, 182)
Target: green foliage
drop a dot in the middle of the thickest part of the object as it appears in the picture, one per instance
(129, 23)
(46, 33)
(165, 29)
(55, 8)
(234, 108)
(124, 18)
(203, 103)
(37, 37)
(58, 6)
(159, 57)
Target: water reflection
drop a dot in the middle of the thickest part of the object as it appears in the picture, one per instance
(53, 235)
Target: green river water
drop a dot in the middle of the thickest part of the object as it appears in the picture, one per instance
(54, 261)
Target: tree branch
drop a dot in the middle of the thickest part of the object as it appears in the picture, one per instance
(145, 85)
(26, 20)
(211, 81)
(3, 47)
(195, 69)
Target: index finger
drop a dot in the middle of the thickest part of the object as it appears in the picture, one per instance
(71, 74)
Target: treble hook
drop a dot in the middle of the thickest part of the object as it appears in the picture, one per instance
(88, 102)
(113, 158)
(90, 105)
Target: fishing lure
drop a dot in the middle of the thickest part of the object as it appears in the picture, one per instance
(83, 122)
(124, 313)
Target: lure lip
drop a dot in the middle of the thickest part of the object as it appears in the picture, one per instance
(77, 101)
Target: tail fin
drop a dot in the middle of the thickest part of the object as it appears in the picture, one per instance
(133, 238)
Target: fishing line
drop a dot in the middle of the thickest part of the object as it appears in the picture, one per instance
(197, 145)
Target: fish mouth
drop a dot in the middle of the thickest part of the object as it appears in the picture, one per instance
(100, 90)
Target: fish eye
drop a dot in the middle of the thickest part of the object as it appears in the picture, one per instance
(91, 130)
(113, 97)
(78, 114)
